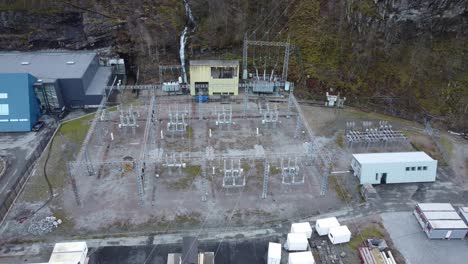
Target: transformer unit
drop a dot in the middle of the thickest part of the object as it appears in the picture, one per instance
(260, 86)
(171, 87)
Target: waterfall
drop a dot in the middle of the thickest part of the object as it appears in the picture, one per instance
(189, 27)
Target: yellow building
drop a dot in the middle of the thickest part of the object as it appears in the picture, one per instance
(214, 77)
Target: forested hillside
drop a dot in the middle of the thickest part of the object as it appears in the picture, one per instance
(406, 58)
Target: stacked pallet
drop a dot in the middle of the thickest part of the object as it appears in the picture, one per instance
(375, 256)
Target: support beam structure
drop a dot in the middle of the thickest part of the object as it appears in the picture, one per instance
(266, 176)
(247, 43)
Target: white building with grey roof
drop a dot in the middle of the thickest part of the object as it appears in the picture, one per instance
(394, 167)
(440, 221)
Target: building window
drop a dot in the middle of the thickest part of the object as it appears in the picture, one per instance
(3, 120)
(424, 167)
(223, 72)
(47, 96)
(419, 168)
(413, 168)
(4, 109)
(376, 176)
(3, 96)
(407, 168)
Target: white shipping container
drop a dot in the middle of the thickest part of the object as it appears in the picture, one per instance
(274, 253)
(302, 228)
(340, 234)
(301, 258)
(296, 242)
(322, 225)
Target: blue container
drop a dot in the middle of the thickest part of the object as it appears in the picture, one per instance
(202, 98)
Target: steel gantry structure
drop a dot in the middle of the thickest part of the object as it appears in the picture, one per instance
(247, 43)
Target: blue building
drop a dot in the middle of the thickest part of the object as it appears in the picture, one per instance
(73, 79)
(19, 107)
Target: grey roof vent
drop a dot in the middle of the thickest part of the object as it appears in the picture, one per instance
(70, 62)
(25, 63)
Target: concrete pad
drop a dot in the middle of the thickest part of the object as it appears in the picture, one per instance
(414, 245)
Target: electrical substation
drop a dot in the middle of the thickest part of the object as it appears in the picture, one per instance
(179, 150)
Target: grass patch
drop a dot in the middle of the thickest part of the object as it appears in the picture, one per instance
(339, 189)
(77, 129)
(361, 198)
(257, 177)
(67, 223)
(370, 232)
(191, 172)
(245, 166)
(191, 219)
(64, 148)
(339, 140)
(421, 142)
(112, 109)
(432, 152)
(447, 144)
(241, 216)
(190, 132)
(275, 170)
(25, 241)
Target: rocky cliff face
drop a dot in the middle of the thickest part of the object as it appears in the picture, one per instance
(412, 53)
(68, 30)
(394, 54)
(408, 18)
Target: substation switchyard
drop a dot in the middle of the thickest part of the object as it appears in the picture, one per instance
(162, 156)
(158, 149)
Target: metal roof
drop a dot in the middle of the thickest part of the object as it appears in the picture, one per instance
(274, 250)
(99, 82)
(392, 157)
(301, 257)
(225, 63)
(328, 222)
(464, 213)
(339, 231)
(435, 207)
(448, 215)
(47, 65)
(448, 224)
(69, 252)
(301, 227)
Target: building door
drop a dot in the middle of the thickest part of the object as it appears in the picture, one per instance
(449, 233)
(383, 179)
(201, 88)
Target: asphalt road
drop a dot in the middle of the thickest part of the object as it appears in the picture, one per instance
(414, 245)
(232, 252)
(17, 149)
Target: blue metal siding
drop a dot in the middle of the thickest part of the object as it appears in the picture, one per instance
(34, 105)
(21, 100)
(72, 92)
(93, 99)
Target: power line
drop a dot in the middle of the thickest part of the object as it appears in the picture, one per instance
(289, 19)
(278, 18)
(263, 21)
(170, 225)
